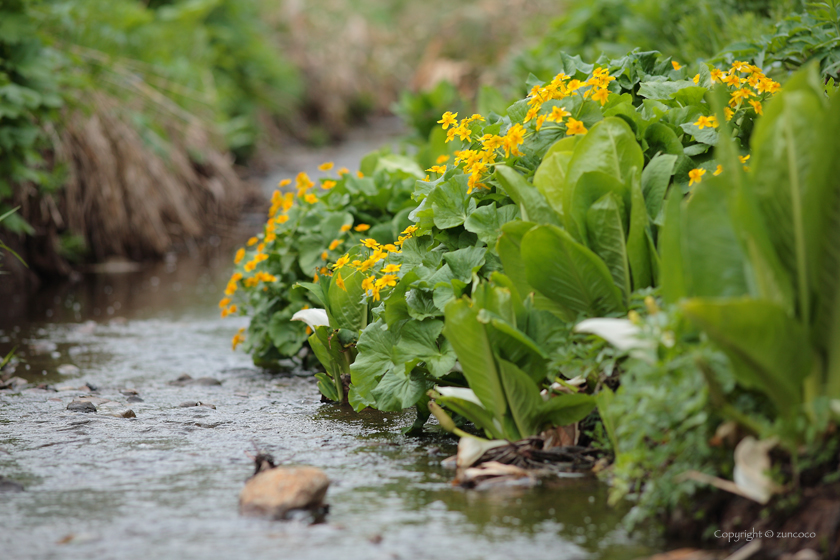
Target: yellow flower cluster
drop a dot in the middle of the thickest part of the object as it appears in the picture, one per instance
(371, 284)
(745, 82)
(479, 162)
(238, 338)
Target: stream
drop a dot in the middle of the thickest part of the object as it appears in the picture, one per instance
(165, 484)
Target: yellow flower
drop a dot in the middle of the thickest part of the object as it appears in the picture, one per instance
(391, 268)
(343, 171)
(375, 292)
(757, 106)
(326, 166)
(232, 309)
(437, 169)
(240, 254)
(557, 114)
(676, 65)
(341, 262)
(361, 227)
(410, 230)
(368, 283)
(284, 183)
(718, 171)
(236, 277)
(575, 127)
(360, 175)
(311, 198)
(514, 137)
(717, 76)
(334, 244)
(389, 280)
(340, 282)
(253, 241)
(270, 237)
(224, 303)
(260, 258)
(282, 219)
(729, 113)
(250, 266)
(346, 227)
(696, 79)
(325, 256)
(238, 338)
(370, 243)
(442, 159)
(302, 181)
(327, 185)
(743, 159)
(447, 120)
(601, 95)
(695, 176)
(391, 248)
(540, 121)
(732, 80)
(260, 248)
(706, 122)
(225, 313)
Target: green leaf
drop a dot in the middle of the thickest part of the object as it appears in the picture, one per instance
(564, 409)
(590, 187)
(508, 248)
(472, 346)
(550, 180)
(376, 348)
(768, 349)
(672, 273)
(661, 138)
(475, 414)
(450, 203)
(347, 307)
(609, 147)
(523, 397)
(399, 390)
(421, 340)
(663, 91)
(420, 305)
(532, 205)
(464, 262)
(655, 180)
(569, 273)
(486, 221)
(638, 254)
(606, 238)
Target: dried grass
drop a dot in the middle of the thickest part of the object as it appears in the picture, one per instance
(124, 197)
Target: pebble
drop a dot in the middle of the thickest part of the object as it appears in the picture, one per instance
(278, 491)
(68, 369)
(134, 398)
(188, 404)
(81, 406)
(7, 485)
(14, 383)
(127, 413)
(93, 400)
(187, 379)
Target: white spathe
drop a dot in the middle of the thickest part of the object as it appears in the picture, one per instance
(312, 317)
(621, 333)
(470, 449)
(463, 393)
(752, 461)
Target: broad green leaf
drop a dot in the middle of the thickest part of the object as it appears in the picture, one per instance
(508, 248)
(420, 305)
(532, 204)
(566, 144)
(450, 203)
(486, 221)
(376, 349)
(347, 307)
(609, 147)
(672, 273)
(523, 397)
(769, 350)
(475, 414)
(663, 91)
(569, 273)
(606, 238)
(564, 409)
(638, 254)
(398, 390)
(447, 291)
(472, 346)
(590, 187)
(655, 180)
(550, 180)
(714, 263)
(421, 340)
(661, 138)
(464, 262)
(393, 163)
(782, 159)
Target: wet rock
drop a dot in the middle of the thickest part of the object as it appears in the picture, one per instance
(81, 406)
(134, 398)
(93, 400)
(7, 485)
(127, 391)
(127, 413)
(187, 379)
(14, 383)
(275, 492)
(68, 369)
(188, 404)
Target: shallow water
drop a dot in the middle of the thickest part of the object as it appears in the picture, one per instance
(165, 484)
